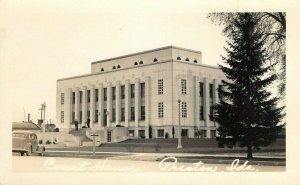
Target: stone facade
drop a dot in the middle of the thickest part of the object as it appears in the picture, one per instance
(142, 90)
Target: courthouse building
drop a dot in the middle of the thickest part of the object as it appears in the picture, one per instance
(142, 93)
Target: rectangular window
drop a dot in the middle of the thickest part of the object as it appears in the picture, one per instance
(203, 133)
(122, 114)
(96, 95)
(183, 86)
(88, 96)
(105, 94)
(73, 97)
(220, 87)
(160, 133)
(131, 133)
(132, 90)
(113, 115)
(161, 86)
(96, 116)
(123, 92)
(210, 90)
(211, 112)
(113, 93)
(142, 134)
(161, 109)
(201, 112)
(142, 112)
(213, 133)
(184, 109)
(80, 97)
(132, 115)
(62, 116)
(80, 116)
(184, 133)
(142, 89)
(62, 98)
(201, 89)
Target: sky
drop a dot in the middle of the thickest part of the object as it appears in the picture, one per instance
(42, 41)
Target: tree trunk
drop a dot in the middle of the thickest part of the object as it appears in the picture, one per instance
(249, 152)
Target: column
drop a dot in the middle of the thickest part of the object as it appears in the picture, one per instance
(196, 101)
(215, 92)
(109, 101)
(127, 102)
(118, 103)
(137, 108)
(206, 106)
(92, 106)
(84, 106)
(147, 105)
(100, 105)
(68, 110)
(77, 96)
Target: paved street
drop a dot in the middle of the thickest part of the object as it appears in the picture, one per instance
(113, 163)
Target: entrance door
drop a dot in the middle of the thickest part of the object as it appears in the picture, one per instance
(109, 133)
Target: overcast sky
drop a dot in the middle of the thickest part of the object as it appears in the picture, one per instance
(41, 42)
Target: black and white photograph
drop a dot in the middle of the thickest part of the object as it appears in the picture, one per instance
(144, 92)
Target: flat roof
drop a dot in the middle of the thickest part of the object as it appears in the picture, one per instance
(147, 51)
(170, 60)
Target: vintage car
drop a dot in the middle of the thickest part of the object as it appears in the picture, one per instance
(26, 142)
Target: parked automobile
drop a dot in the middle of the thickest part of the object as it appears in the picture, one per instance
(26, 142)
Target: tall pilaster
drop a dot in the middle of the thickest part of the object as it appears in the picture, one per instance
(196, 101)
(147, 105)
(137, 108)
(206, 106)
(92, 106)
(118, 103)
(109, 105)
(84, 106)
(77, 103)
(127, 102)
(100, 105)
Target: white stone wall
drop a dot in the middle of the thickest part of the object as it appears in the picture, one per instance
(167, 68)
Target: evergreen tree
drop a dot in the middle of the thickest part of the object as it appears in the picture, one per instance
(247, 114)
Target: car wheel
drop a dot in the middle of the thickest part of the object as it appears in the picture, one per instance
(22, 153)
(29, 151)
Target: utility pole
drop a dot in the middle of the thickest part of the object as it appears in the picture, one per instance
(179, 129)
(43, 110)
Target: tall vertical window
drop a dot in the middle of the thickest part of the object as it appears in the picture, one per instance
(183, 86)
(201, 89)
(73, 117)
(220, 87)
(80, 97)
(113, 115)
(105, 94)
(62, 116)
(132, 115)
(142, 112)
(88, 96)
(73, 97)
(184, 109)
(123, 92)
(96, 95)
(142, 89)
(113, 93)
(62, 98)
(161, 86)
(122, 114)
(132, 90)
(210, 90)
(211, 113)
(201, 112)
(80, 116)
(161, 109)
(96, 116)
